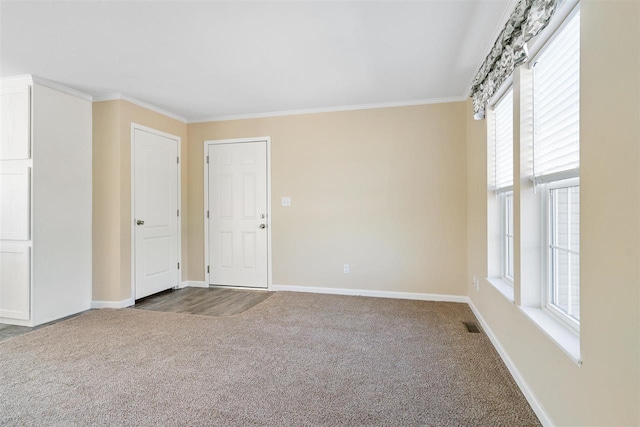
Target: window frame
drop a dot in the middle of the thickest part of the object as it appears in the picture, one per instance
(545, 184)
(503, 193)
(498, 99)
(546, 241)
(506, 225)
(539, 44)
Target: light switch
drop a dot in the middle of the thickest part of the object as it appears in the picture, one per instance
(286, 201)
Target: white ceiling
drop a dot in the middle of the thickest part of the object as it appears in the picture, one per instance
(202, 60)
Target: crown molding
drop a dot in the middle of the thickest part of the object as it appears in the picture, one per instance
(107, 97)
(151, 107)
(331, 109)
(31, 79)
(139, 103)
(62, 88)
(25, 79)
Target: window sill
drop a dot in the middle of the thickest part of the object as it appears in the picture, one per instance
(504, 287)
(560, 334)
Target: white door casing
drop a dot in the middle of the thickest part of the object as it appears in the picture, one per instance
(237, 213)
(155, 214)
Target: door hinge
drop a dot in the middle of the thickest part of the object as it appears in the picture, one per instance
(178, 266)
(207, 159)
(207, 268)
(178, 212)
(207, 214)
(178, 158)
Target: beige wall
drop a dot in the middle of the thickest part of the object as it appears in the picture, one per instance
(383, 190)
(106, 201)
(605, 391)
(112, 193)
(400, 194)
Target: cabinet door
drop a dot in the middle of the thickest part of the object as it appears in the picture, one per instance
(14, 203)
(14, 281)
(15, 111)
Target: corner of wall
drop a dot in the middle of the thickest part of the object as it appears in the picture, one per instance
(112, 193)
(106, 117)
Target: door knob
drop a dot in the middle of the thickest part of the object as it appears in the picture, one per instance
(140, 222)
(262, 225)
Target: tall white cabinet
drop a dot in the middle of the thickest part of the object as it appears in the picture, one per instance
(45, 201)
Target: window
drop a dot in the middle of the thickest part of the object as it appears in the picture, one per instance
(502, 142)
(556, 163)
(507, 251)
(564, 250)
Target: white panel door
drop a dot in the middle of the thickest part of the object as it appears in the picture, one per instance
(14, 203)
(237, 214)
(15, 112)
(155, 212)
(14, 281)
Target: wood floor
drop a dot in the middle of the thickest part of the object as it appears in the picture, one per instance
(202, 301)
(10, 331)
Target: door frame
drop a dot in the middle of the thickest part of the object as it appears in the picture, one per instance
(134, 127)
(267, 140)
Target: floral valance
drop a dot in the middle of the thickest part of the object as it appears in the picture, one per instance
(510, 50)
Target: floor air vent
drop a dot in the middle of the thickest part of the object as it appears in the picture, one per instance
(472, 327)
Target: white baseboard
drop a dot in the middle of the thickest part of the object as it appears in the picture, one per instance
(522, 384)
(193, 284)
(113, 304)
(371, 293)
(242, 288)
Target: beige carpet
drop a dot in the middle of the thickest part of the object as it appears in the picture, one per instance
(295, 359)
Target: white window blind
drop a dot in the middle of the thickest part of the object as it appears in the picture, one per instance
(556, 106)
(503, 143)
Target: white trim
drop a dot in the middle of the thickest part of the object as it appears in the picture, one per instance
(269, 247)
(267, 140)
(244, 288)
(544, 418)
(558, 22)
(113, 304)
(571, 174)
(134, 127)
(193, 284)
(107, 97)
(139, 103)
(16, 81)
(205, 208)
(556, 331)
(62, 88)
(571, 324)
(331, 109)
(30, 79)
(372, 293)
(507, 256)
(502, 90)
(505, 288)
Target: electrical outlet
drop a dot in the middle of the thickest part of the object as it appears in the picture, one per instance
(346, 269)
(476, 284)
(286, 201)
